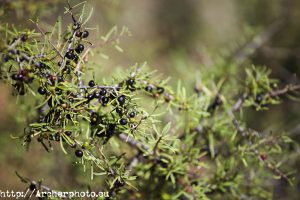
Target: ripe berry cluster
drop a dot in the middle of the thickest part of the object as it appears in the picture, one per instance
(77, 114)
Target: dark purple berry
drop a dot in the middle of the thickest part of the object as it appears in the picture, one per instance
(6, 58)
(70, 55)
(132, 114)
(79, 153)
(111, 129)
(97, 95)
(103, 92)
(20, 77)
(149, 88)
(259, 98)
(32, 186)
(24, 38)
(15, 77)
(58, 91)
(121, 99)
(92, 83)
(130, 82)
(79, 48)
(85, 34)
(60, 79)
(71, 100)
(68, 133)
(160, 90)
(57, 137)
(90, 97)
(42, 90)
(42, 65)
(76, 58)
(76, 26)
(78, 34)
(123, 121)
(119, 110)
(218, 100)
(66, 70)
(105, 99)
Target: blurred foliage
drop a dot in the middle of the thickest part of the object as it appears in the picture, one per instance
(195, 42)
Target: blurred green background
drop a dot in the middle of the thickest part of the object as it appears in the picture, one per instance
(181, 39)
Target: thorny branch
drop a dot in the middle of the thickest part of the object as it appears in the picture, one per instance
(239, 104)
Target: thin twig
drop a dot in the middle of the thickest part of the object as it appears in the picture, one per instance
(132, 142)
(258, 41)
(288, 88)
(42, 32)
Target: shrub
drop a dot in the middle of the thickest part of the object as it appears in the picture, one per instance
(145, 139)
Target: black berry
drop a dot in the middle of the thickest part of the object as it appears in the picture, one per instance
(85, 34)
(259, 98)
(57, 137)
(103, 92)
(6, 58)
(119, 183)
(160, 90)
(24, 38)
(79, 153)
(76, 58)
(121, 99)
(58, 91)
(92, 83)
(111, 129)
(79, 48)
(97, 95)
(132, 114)
(22, 59)
(20, 77)
(32, 186)
(130, 82)
(123, 121)
(148, 88)
(105, 100)
(218, 100)
(90, 97)
(42, 65)
(70, 55)
(60, 79)
(68, 133)
(42, 90)
(15, 77)
(76, 26)
(66, 70)
(78, 34)
(119, 110)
